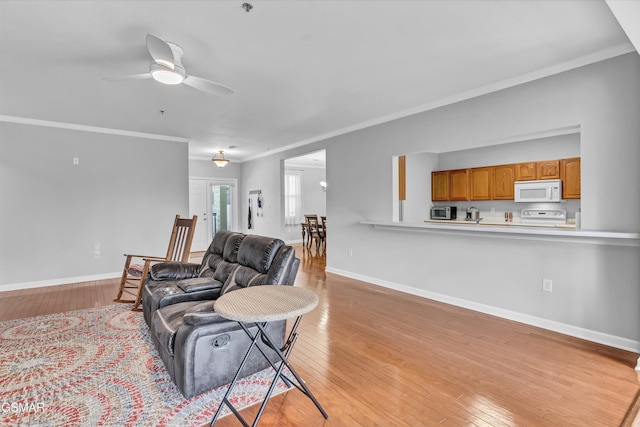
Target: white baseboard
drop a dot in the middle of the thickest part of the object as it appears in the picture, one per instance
(563, 328)
(56, 282)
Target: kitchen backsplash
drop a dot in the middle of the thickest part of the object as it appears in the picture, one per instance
(500, 207)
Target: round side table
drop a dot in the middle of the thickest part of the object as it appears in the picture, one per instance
(261, 305)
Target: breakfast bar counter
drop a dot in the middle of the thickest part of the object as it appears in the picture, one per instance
(512, 230)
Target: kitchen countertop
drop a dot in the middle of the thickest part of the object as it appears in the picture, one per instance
(499, 221)
(515, 230)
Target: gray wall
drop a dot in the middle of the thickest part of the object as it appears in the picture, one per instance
(548, 148)
(121, 197)
(595, 287)
(266, 175)
(418, 192)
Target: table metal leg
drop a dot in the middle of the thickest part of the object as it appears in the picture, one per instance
(283, 354)
(286, 380)
(225, 399)
(285, 361)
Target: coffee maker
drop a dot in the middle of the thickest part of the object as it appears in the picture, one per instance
(473, 214)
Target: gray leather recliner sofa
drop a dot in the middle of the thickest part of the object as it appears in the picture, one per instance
(200, 349)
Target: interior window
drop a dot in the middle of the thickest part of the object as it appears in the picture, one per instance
(292, 197)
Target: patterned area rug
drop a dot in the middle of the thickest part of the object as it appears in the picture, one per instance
(98, 367)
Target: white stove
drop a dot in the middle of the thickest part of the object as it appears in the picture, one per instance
(543, 217)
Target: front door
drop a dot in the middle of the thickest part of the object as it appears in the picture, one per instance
(213, 200)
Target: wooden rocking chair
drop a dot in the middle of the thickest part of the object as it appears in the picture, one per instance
(134, 275)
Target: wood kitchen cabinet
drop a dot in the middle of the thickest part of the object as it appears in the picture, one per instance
(459, 184)
(502, 179)
(440, 186)
(480, 185)
(496, 182)
(548, 169)
(570, 175)
(526, 171)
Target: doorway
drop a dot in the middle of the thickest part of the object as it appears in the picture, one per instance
(214, 201)
(310, 196)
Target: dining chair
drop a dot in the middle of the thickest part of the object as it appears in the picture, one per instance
(313, 229)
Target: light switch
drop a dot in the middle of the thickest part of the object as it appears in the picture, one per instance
(76, 160)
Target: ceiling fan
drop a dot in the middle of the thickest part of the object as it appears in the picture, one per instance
(167, 68)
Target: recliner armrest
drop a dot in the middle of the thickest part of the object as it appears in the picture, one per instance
(174, 270)
(197, 284)
(201, 314)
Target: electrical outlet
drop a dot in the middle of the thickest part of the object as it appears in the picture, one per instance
(350, 252)
(76, 160)
(547, 285)
(96, 254)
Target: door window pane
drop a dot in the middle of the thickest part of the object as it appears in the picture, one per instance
(221, 208)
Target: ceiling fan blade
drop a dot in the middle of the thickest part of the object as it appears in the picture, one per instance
(130, 77)
(160, 51)
(207, 86)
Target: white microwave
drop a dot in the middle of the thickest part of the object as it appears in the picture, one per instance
(547, 190)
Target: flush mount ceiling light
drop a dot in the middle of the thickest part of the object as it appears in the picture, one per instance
(219, 159)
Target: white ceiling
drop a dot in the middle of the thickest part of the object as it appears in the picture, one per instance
(316, 160)
(301, 70)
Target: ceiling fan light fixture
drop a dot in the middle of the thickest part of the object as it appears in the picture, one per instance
(165, 63)
(167, 69)
(167, 76)
(220, 161)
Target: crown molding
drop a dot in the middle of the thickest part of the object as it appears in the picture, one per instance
(95, 129)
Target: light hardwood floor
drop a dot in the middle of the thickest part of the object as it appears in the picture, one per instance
(374, 356)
